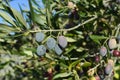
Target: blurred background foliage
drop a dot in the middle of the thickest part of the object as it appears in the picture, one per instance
(18, 58)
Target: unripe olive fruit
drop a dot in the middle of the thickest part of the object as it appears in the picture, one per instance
(62, 41)
(116, 53)
(108, 69)
(39, 36)
(58, 50)
(51, 43)
(103, 51)
(41, 50)
(112, 43)
(111, 62)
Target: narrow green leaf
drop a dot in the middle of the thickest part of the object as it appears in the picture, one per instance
(62, 75)
(86, 64)
(70, 39)
(40, 19)
(1, 6)
(49, 18)
(6, 28)
(75, 1)
(2, 35)
(31, 10)
(36, 3)
(96, 37)
(21, 10)
(76, 75)
(28, 52)
(2, 40)
(7, 17)
(48, 56)
(44, 1)
(80, 49)
(73, 64)
(63, 65)
(19, 16)
(70, 49)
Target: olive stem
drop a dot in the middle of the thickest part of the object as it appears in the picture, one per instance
(95, 67)
(70, 29)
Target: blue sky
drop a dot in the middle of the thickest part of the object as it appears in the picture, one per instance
(15, 4)
(24, 4)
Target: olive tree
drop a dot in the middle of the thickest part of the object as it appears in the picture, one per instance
(64, 40)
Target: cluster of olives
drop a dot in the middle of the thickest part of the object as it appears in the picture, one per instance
(51, 44)
(112, 44)
(105, 68)
(58, 45)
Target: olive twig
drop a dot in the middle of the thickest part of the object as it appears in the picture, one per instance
(95, 67)
(70, 29)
